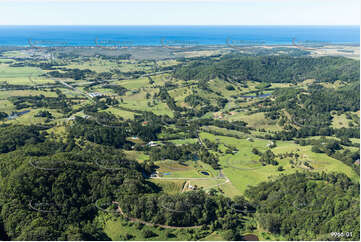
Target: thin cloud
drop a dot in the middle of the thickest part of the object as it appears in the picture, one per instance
(149, 1)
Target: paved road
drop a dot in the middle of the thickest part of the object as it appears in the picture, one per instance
(74, 88)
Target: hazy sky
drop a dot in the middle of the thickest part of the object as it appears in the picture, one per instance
(187, 12)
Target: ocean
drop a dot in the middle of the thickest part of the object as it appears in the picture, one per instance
(176, 35)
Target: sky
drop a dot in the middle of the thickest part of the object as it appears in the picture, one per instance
(176, 12)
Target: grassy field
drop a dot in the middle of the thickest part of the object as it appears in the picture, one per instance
(136, 155)
(171, 169)
(134, 83)
(102, 65)
(340, 121)
(320, 161)
(5, 94)
(215, 236)
(256, 120)
(6, 106)
(120, 113)
(17, 72)
(170, 186)
(244, 170)
(138, 101)
(183, 141)
(225, 131)
(117, 229)
(29, 118)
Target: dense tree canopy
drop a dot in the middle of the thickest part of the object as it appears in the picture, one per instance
(302, 206)
(272, 69)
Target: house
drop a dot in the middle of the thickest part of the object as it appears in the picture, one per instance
(152, 144)
(191, 187)
(270, 145)
(96, 94)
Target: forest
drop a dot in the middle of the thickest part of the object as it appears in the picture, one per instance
(305, 205)
(283, 68)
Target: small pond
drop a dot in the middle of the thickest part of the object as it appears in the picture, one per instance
(250, 237)
(205, 173)
(17, 114)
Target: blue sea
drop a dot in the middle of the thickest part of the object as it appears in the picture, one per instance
(176, 35)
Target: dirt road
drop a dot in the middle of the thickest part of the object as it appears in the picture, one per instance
(136, 220)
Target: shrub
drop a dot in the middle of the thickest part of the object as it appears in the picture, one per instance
(148, 233)
(230, 88)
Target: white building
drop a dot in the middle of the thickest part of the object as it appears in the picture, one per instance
(152, 144)
(96, 94)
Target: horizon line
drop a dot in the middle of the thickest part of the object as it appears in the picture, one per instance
(331, 25)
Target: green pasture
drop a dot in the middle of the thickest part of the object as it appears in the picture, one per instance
(170, 186)
(29, 118)
(340, 121)
(6, 106)
(183, 141)
(16, 72)
(6, 94)
(117, 228)
(256, 120)
(120, 113)
(244, 170)
(191, 169)
(137, 102)
(215, 236)
(102, 65)
(136, 155)
(134, 83)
